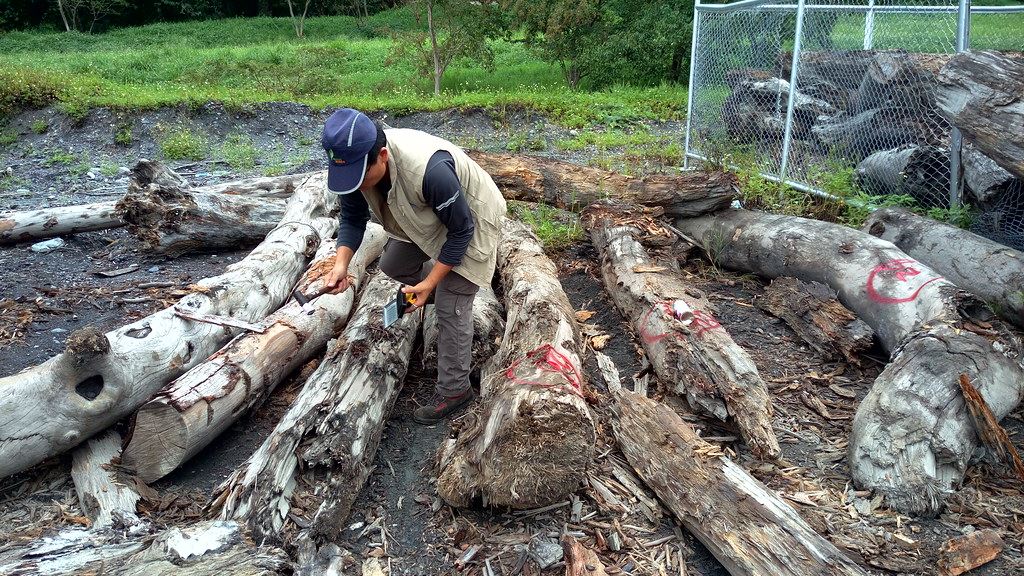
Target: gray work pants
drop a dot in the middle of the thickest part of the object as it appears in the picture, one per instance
(453, 304)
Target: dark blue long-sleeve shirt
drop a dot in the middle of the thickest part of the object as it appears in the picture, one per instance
(441, 190)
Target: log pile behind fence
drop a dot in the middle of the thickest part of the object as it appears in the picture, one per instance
(824, 93)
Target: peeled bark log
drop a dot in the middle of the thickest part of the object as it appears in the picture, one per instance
(170, 218)
(694, 354)
(812, 310)
(986, 181)
(979, 92)
(100, 378)
(205, 549)
(332, 428)
(756, 110)
(192, 411)
(263, 186)
(921, 172)
(985, 268)
(488, 326)
(746, 526)
(856, 137)
(912, 435)
(533, 435)
(49, 222)
(102, 493)
(574, 187)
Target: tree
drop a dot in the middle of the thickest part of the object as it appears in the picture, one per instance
(565, 31)
(299, 22)
(454, 29)
(94, 10)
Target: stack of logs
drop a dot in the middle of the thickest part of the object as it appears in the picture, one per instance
(890, 114)
(184, 374)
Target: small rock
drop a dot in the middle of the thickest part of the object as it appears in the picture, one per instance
(48, 245)
(546, 552)
(22, 191)
(154, 269)
(124, 171)
(91, 175)
(125, 180)
(58, 331)
(51, 197)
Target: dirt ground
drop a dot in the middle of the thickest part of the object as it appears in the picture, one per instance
(43, 297)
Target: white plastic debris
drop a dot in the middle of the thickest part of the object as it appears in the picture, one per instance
(48, 245)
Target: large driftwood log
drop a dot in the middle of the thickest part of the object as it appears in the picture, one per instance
(693, 353)
(332, 428)
(756, 110)
(747, 527)
(193, 410)
(985, 268)
(488, 326)
(28, 225)
(105, 494)
(894, 80)
(533, 436)
(912, 435)
(860, 135)
(170, 218)
(979, 92)
(812, 310)
(986, 180)
(22, 226)
(212, 548)
(574, 187)
(100, 378)
(921, 172)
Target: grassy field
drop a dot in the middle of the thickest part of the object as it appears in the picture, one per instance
(340, 62)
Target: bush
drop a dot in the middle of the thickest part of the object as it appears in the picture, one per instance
(20, 89)
(183, 144)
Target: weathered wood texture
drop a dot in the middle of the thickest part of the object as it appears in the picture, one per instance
(756, 110)
(694, 353)
(912, 435)
(199, 405)
(488, 327)
(170, 218)
(985, 268)
(105, 494)
(100, 378)
(331, 430)
(212, 548)
(921, 172)
(965, 553)
(986, 181)
(747, 527)
(814, 312)
(570, 186)
(979, 92)
(580, 560)
(26, 225)
(533, 435)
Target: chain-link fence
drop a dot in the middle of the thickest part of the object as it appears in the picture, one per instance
(812, 92)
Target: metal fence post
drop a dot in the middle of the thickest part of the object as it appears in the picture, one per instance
(956, 140)
(787, 139)
(869, 26)
(689, 85)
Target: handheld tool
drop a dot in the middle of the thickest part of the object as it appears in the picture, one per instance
(301, 298)
(397, 307)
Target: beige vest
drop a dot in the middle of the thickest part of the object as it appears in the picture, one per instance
(407, 216)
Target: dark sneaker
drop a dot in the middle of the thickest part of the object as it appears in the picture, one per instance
(440, 407)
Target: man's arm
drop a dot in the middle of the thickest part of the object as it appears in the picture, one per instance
(355, 213)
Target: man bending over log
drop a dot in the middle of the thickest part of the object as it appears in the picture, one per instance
(443, 214)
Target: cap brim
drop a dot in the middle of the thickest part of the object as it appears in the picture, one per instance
(345, 179)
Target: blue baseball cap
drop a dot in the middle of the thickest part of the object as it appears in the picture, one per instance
(348, 136)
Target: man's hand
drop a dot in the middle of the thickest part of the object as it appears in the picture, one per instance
(421, 291)
(338, 280)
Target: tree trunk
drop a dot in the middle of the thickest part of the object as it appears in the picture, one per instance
(103, 493)
(533, 435)
(979, 93)
(856, 137)
(893, 80)
(488, 327)
(192, 411)
(566, 185)
(912, 435)
(172, 220)
(812, 310)
(433, 48)
(756, 111)
(921, 172)
(332, 428)
(986, 181)
(101, 378)
(211, 548)
(49, 222)
(985, 268)
(689, 350)
(746, 526)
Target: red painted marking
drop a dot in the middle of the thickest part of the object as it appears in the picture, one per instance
(703, 322)
(902, 270)
(547, 359)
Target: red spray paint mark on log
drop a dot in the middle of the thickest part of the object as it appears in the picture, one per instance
(699, 324)
(548, 359)
(903, 273)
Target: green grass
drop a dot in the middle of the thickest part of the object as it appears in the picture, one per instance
(40, 126)
(123, 136)
(555, 228)
(239, 151)
(8, 137)
(183, 144)
(254, 60)
(60, 157)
